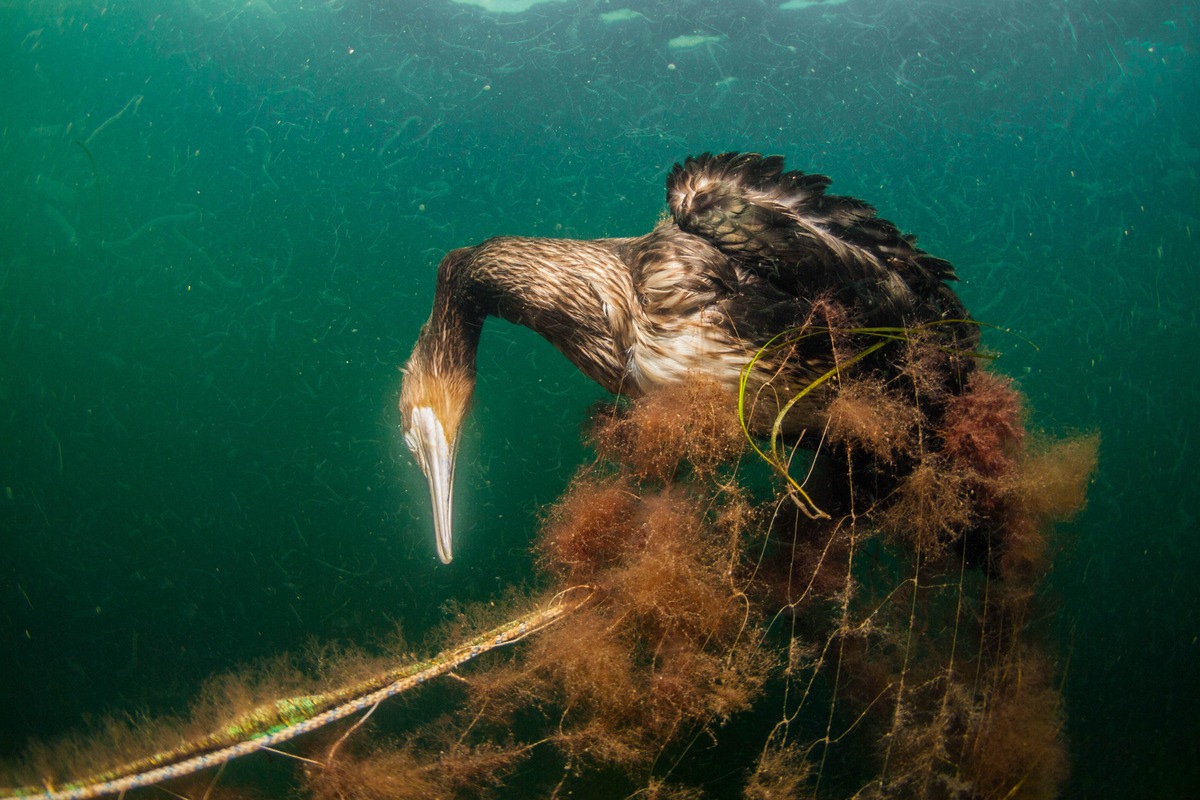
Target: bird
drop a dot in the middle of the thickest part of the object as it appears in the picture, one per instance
(746, 250)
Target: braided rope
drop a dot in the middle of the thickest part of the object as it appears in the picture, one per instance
(186, 760)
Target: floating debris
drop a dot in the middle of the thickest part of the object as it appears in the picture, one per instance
(621, 15)
(505, 6)
(793, 5)
(691, 41)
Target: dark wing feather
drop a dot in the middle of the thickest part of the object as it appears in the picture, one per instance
(783, 226)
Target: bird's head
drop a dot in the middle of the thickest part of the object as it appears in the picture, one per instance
(434, 400)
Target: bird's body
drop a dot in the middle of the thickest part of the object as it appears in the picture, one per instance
(747, 252)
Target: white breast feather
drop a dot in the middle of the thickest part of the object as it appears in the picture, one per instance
(666, 354)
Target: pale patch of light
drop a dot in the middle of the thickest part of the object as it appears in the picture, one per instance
(505, 6)
(692, 40)
(792, 5)
(621, 15)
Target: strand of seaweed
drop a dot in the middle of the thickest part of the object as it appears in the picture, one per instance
(286, 719)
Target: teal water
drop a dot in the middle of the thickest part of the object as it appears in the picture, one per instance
(218, 235)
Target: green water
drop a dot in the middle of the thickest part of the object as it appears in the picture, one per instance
(218, 234)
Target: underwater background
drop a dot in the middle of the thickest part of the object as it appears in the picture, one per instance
(219, 228)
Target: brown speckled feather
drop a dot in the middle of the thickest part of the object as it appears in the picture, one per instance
(783, 226)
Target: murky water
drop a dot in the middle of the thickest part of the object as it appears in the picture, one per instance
(218, 240)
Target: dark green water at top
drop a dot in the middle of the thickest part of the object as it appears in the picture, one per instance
(218, 236)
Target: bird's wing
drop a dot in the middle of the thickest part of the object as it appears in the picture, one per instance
(783, 226)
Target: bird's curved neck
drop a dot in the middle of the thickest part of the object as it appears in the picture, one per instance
(560, 288)
(452, 333)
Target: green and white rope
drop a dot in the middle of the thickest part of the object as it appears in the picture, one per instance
(177, 763)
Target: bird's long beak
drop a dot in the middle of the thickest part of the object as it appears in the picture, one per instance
(426, 438)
